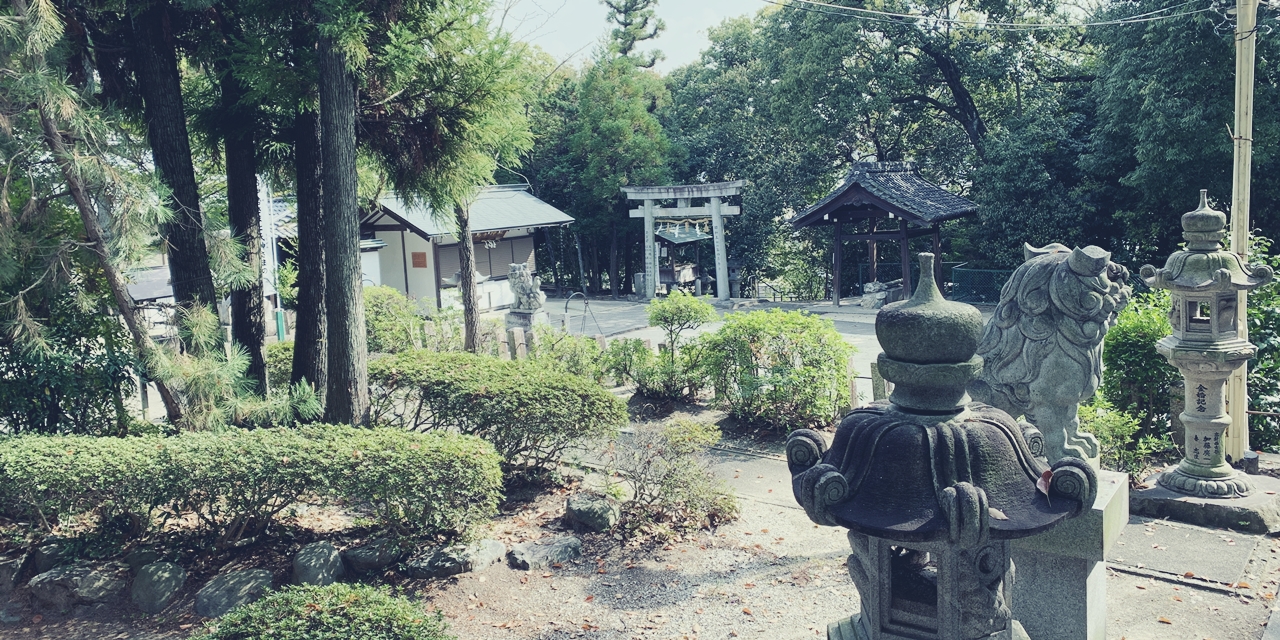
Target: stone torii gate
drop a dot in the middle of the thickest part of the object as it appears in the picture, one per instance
(683, 194)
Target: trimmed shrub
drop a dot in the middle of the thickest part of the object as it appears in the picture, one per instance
(779, 369)
(675, 373)
(529, 411)
(50, 479)
(1135, 377)
(391, 320)
(416, 482)
(235, 482)
(279, 364)
(332, 612)
(658, 376)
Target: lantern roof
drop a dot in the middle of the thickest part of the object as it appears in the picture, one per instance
(1204, 266)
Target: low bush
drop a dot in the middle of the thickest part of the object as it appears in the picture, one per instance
(579, 355)
(418, 482)
(1264, 369)
(659, 376)
(672, 486)
(1119, 443)
(334, 612)
(778, 369)
(235, 482)
(391, 321)
(675, 373)
(279, 364)
(531, 412)
(1135, 377)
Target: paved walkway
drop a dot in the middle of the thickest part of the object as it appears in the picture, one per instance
(1165, 580)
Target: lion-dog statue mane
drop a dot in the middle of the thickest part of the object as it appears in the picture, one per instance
(1042, 350)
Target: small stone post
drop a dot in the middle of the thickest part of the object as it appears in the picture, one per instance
(722, 254)
(650, 254)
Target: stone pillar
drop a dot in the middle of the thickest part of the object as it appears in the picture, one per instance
(1061, 591)
(650, 254)
(722, 254)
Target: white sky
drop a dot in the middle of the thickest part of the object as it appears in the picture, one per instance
(575, 28)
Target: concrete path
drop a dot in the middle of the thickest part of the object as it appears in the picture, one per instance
(1229, 594)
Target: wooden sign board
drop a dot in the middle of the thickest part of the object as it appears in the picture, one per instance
(419, 259)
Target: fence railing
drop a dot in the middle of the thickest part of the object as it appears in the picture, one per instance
(977, 285)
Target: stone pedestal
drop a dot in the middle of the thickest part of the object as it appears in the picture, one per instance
(526, 319)
(1060, 590)
(1258, 512)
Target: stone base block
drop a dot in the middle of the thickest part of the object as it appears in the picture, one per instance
(1256, 513)
(1060, 592)
(526, 319)
(853, 628)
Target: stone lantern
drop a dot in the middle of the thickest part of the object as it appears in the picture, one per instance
(1203, 281)
(931, 486)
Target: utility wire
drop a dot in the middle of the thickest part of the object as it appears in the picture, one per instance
(872, 15)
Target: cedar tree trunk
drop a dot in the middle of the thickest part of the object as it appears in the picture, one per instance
(347, 396)
(310, 351)
(248, 319)
(156, 65)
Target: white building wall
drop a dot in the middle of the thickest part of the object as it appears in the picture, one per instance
(370, 268)
(391, 258)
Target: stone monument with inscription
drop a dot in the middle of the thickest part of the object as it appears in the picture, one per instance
(1202, 281)
(932, 487)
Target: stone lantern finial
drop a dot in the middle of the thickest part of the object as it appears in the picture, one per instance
(1203, 280)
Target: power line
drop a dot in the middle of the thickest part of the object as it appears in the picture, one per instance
(872, 15)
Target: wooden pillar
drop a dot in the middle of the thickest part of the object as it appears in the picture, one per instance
(937, 255)
(839, 260)
(905, 243)
(722, 254)
(650, 254)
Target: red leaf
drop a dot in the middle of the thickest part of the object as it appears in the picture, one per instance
(1043, 483)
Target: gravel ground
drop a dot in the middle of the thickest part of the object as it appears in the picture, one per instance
(769, 573)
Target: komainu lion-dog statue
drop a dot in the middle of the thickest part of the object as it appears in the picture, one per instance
(1042, 350)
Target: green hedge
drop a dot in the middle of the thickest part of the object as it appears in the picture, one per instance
(530, 411)
(779, 369)
(1135, 377)
(235, 482)
(279, 364)
(334, 612)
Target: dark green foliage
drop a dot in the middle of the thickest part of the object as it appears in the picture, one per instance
(235, 482)
(530, 411)
(334, 612)
(1264, 370)
(279, 364)
(74, 381)
(779, 369)
(1135, 377)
